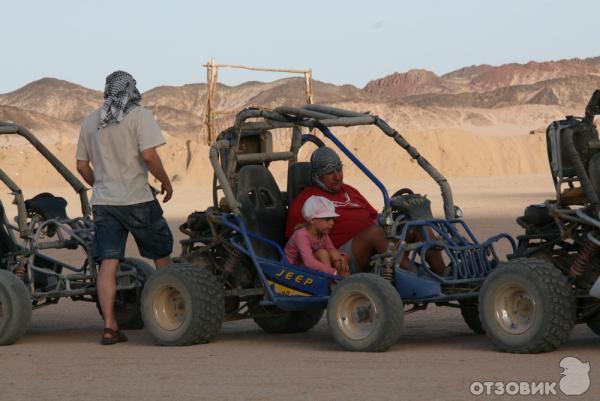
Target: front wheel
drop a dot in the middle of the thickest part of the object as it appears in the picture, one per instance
(527, 306)
(365, 313)
(15, 308)
(183, 305)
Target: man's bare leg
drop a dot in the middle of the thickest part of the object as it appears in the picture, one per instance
(107, 290)
(434, 256)
(365, 244)
(162, 262)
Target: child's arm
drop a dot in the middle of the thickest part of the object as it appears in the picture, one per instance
(308, 257)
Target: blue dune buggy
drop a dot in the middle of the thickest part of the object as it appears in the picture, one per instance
(232, 265)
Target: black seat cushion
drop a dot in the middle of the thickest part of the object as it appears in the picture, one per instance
(262, 207)
(7, 243)
(594, 172)
(48, 206)
(299, 177)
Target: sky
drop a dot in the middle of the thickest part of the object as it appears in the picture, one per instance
(344, 42)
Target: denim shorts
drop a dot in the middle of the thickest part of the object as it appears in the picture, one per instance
(144, 221)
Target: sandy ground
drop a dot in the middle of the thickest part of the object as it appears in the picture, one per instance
(436, 359)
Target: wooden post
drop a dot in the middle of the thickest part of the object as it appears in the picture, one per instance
(308, 82)
(211, 89)
(211, 92)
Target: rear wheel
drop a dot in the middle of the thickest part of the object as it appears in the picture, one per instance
(594, 323)
(470, 312)
(527, 306)
(365, 313)
(15, 308)
(127, 302)
(282, 322)
(183, 305)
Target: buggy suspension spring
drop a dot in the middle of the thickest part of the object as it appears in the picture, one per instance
(583, 258)
(388, 272)
(232, 261)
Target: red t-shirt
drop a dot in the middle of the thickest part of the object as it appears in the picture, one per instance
(356, 213)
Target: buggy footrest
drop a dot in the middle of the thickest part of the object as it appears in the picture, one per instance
(412, 285)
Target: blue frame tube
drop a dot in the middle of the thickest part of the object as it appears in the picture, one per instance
(453, 243)
(249, 250)
(362, 167)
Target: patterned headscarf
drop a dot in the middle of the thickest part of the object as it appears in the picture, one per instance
(323, 161)
(121, 96)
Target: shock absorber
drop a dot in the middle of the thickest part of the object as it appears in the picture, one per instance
(583, 258)
(383, 264)
(388, 269)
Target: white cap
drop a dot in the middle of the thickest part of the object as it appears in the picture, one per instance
(318, 207)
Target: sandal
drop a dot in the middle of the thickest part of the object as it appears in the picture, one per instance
(115, 337)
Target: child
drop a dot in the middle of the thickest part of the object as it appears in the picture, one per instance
(310, 244)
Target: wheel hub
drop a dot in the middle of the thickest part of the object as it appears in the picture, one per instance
(169, 308)
(514, 308)
(356, 316)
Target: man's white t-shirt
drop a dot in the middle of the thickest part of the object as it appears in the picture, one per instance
(120, 173)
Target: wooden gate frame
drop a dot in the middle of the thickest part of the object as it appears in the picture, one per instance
(212, 72)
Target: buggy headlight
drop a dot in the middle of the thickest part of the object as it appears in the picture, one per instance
(458, 213)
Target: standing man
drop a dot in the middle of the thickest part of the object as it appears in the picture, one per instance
(120, 140)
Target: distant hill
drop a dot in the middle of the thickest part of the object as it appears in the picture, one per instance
(572, 92)
(54, 97)
(480, 78)
(497, 97)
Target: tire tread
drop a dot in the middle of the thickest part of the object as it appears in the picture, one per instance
(560, 305)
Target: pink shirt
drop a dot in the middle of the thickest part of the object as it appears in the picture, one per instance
(300, 249)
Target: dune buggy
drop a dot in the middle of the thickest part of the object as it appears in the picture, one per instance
(30, 278)
(232, 265)
(551, 282)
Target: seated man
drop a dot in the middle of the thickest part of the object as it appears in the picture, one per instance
(356, 231)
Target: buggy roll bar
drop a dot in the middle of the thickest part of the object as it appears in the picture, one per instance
(78, 187)
(20, 201)
(316, 116)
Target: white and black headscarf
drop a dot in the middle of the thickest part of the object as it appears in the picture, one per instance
(120, 97)
(323, 161)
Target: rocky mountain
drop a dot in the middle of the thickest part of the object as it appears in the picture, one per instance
(480, 78)
(413, 82)
(55, 98)
(179, 109)
(570, 92)
(478, 96)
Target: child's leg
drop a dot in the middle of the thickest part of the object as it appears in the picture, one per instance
(323, 256)
(334, 256)
(339, 261)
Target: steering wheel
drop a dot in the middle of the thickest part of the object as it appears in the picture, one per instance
(403, 191)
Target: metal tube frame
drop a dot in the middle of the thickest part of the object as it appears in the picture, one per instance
(76, 184)
(313, 116)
